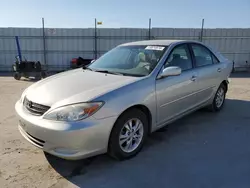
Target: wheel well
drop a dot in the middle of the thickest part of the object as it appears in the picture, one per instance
(145, 110)
(225, 83)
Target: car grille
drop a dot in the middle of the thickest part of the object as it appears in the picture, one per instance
(34, 108)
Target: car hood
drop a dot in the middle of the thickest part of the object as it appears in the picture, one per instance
(75, 86)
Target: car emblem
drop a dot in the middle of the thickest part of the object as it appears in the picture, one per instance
(29, 104)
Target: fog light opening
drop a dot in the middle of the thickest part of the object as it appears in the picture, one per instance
(66, 151)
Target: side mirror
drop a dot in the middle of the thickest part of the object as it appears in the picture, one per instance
(170, 71)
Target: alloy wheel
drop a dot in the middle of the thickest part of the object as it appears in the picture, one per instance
(131, 135)
(220, 96)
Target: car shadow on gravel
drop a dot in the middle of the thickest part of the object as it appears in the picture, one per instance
(203, 149)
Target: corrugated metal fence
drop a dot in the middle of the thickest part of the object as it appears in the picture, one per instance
(61, 45)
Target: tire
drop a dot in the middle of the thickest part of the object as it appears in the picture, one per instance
(119, 151)
(17, 76)
(43, 74)
(26, 76)
(219, 99)
(38, 66)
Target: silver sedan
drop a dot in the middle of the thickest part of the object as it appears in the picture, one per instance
(115, 102)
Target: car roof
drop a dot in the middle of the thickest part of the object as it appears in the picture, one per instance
(169, 42)
(155, 42)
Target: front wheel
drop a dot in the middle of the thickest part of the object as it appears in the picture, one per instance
(219, 99)
(128, 135)
(17, 76)
(43, 74)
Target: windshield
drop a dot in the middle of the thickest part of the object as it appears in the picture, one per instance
(130, 60)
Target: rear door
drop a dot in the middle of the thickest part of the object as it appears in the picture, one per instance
(208, 69)
(176, 94)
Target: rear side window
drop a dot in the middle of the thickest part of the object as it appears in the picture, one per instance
(180, 57)
(202, 55)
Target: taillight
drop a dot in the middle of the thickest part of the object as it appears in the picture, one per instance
(74, 61)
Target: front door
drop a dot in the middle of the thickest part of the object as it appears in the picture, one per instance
(176, 94)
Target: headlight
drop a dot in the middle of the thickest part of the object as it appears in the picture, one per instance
(23, 95)
(74, 112)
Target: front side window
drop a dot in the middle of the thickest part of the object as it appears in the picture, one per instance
(180, 57)
(130, 60)
(202, 55)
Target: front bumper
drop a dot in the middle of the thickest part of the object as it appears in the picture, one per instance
(75, 140)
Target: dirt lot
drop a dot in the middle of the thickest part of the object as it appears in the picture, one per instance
(202, 150)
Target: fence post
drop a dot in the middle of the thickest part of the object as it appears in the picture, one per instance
(233, 70)
(44, 45)
(149, 29)
(202, 25)
(95, 39)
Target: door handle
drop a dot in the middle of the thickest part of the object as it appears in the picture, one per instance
(193, 78)
(219, 70)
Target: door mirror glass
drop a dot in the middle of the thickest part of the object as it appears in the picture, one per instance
(170, 71)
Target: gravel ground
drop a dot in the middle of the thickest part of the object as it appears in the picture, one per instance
(201, 150)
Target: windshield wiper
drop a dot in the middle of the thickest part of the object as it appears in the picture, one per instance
(108, 72)
(87, 68)
(134, 75)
